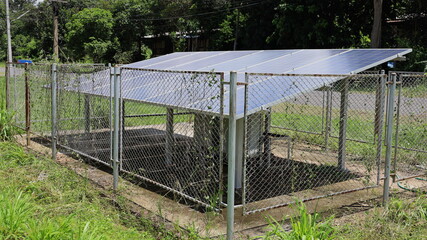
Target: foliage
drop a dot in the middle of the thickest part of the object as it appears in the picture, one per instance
(128, 30)
(304, 226)
(90, 33)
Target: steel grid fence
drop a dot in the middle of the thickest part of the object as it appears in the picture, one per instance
(167, 140)
(321, 143)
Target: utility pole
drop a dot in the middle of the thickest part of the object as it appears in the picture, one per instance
(55, 8)
(55, 32)
(9, 38)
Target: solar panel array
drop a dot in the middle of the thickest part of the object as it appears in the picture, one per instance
(315, 61)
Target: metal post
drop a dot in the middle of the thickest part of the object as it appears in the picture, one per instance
(396, 134)
(111, 110)
(379, 117)
(328, 124)
(267, 139)
(116, 127)
(87, 113)
(343, 123)
(7, 85)
(231, 155)
(27, 105)
(169, 135)
(389, 129)
(53, 110)
(245, 143)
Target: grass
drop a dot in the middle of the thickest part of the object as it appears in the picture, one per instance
(403, 219)
(41, 200)
(304, 226)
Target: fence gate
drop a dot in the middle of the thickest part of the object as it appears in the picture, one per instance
(410, 126)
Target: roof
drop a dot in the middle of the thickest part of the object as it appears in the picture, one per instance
(176, 80)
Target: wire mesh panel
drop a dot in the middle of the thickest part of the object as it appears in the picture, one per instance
(83, 119)
(410, 128)
(40, 98)
(169, 142)
(17, 93)
(301, 148)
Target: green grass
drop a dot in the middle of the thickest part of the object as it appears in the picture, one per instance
(304, 226)
(404, 219)
(40, 199)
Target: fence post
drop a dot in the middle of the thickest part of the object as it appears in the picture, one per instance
(53, 110)
(343, 123)
(116, 127)
(389, 129)
(87, 113)
(231, 155)
(7, 85)
(27, 105)
(399, 81)
(111, 111)
(328, 122)
(169, 136)
(379, 118)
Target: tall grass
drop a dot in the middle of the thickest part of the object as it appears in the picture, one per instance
(15, 211)
(304, 226)
(402, 219)
(41, 200)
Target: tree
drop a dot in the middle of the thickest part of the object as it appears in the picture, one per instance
(90, 34)
(377, 24)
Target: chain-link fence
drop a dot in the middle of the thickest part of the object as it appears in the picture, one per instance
(173, 136)
(297, 136)
(410, 126)
(16, 93)
(84, 111)
(320, 143)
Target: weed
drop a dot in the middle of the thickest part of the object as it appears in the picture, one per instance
(305, 226)
(7, 129)
(15, 211)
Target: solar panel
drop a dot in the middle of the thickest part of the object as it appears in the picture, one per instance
(169, 89)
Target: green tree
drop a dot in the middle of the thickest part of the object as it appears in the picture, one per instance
(90, 34)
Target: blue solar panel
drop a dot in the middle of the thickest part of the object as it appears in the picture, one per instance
(171, 89)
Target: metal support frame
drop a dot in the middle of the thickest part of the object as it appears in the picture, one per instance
(343, 123)
(117, 117)
(169, 136)
(328, 120)
(87, 113)
(379, 120)
(27, 105)
(53, 89)
(231, 155)
(388, 140)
